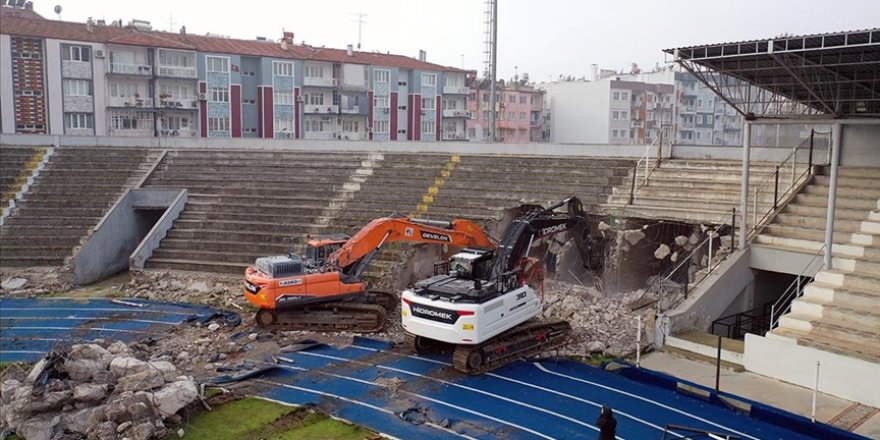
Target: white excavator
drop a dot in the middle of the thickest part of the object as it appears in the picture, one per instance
(483, 302)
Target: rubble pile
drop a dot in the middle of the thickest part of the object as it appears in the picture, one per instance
(190, 287)
(599, 324)
(30, 281)
(95, 391)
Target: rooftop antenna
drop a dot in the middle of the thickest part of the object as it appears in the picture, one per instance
(171, 21)
(361, 22)
(58, 11)
(491, 53)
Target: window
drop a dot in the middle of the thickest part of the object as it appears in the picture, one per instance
(382, 76)
(218, 94)
(284, 125)
(428, 127)
(452, 80)
(77, 87)
(472, 97)
(351, 126)
(522, 99)
(174, 91)
(380, 126)
(522, 116)
(699, 103)
(313, 71)
(381, 102)
(531, 99)
(173, 59)
(175, 123)
(77, 120)
(429, 104)
(218, 124)
(616, 96)
(624, 96)
(522, 132)
(485, 97)
(511, 116)
(217, 64)
(282, 69)
(699, 119)
(511, 99)
(486, 115)
(615, 115)
(429, 79)
(132, 121)
(249, 130)
(283, 97)
(649, 116)
(499, 116)
(76, 53)
(614, 133)
(623, 114)
(698, 135)
(314, 98)
(123, 90)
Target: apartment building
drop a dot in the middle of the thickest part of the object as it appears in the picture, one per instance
(519, 113)
(631, 109)
(120, 79)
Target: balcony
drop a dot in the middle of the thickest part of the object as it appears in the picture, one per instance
(178, 72)
(637, 124)
(319, 81)
(353, 110)
(687, 124)
(455, 90)
(454, 136)
(129, 102)
(181, 103)
(131, 69)
(455, 113)
(322, 109)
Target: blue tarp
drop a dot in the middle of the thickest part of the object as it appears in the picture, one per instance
(31, 327)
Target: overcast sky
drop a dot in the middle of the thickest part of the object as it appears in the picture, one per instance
(545, 38)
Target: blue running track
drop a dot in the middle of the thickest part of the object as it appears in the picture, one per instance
(551, 399)
(31, 327)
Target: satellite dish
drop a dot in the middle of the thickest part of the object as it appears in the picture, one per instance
(58, 9)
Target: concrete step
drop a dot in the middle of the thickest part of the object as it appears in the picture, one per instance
(847, 182)
(821, 293)
(14, 238)
(864, 205)
(13, 261)
(254, 165)
(705, 345)
(841, 235)
(233, 182)
(221, 244)
(819, 212)
(825, 342)
(859, 172)
(198, 205)
(284, 228)
(255, 216)
(850, 330)
(849, 280)
(239, 236)
(789, 220)
(235, 256)
(36, 251)
(696, 212)
(811, 246)
(37, 220)
(846, 192)
(197, 266)
(841, 314)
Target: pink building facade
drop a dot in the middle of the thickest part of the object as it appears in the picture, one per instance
(519, 118)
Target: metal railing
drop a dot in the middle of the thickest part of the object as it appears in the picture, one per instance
(796, 288)
(797, 168)
(644, 165)
(735, 326)
(696, 266)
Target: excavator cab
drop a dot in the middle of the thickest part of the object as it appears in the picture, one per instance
(318, 249)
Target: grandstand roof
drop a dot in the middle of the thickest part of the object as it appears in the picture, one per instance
(109, 34)
(834, 74)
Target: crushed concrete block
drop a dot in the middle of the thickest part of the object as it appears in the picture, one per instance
(84, 420)
(118, 347)
(14, 283)
(89, 392)
(123, 426)
(681, 240)
(89, 351)
(633, 237)
(126, 365)
(83, 370)
(596, 347)
(143, 431)
(199, 287)
(174, 396)
(39, 427)
(674, 257)
(142, 381)
(662, 252)
(166, 369)
(694, 239)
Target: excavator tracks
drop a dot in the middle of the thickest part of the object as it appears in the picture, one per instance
(365, 315)
(525, 340)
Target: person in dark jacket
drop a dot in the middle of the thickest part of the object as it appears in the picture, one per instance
(606, 424)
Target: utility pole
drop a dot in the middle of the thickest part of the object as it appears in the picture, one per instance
(361, 22)
(492, 55)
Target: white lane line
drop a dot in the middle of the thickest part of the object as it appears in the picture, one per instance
(34, 339)
(452, 384)
(22, 351)
(90, 329)
(89, 318)
(90, 309)
(644, 399)
(538, 387)
(358, 402)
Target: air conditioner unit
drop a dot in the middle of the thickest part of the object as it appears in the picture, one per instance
(203, 96)
(99, 53)
(385, 110)
(288, 135)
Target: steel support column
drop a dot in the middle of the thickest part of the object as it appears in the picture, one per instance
(744, 192)
(832, 192)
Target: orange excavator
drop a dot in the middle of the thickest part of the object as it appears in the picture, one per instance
(325, 288)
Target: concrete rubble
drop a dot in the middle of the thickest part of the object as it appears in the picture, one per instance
(32, 281)
(96, 391)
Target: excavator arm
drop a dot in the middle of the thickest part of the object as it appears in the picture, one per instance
(355, 255)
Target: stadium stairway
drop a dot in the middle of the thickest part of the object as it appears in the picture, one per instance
(839, 311)
(67, 199)
(246, 204)
(695, 191)
(16, 165)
